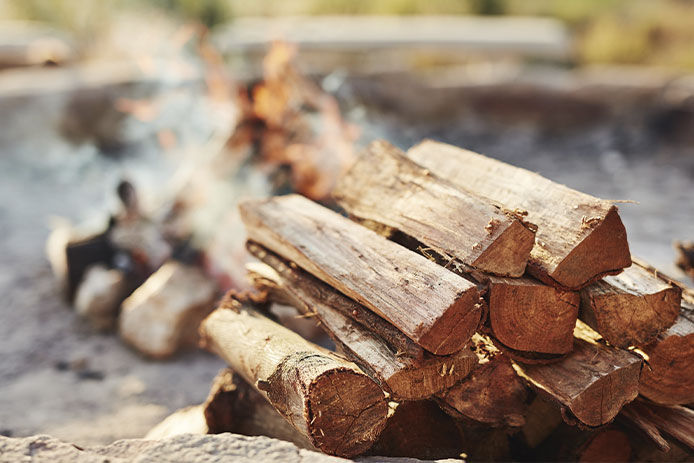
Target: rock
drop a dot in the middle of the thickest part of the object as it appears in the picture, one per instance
(163, 314)
(99, 296)
(189, 448)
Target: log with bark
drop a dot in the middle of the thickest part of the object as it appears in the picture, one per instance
(592, 383)
(406, 372)
(493, 394)
(435, 308)
(632, 308)
(579, 239)
(325, 397)
(667, 378)
(405, 196)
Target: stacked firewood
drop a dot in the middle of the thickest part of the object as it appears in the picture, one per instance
(477, 309)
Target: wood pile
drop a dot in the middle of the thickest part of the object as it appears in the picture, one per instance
(478, 311)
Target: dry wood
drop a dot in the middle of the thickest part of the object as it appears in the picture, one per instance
(420, 430)
(400, 194)
(593, 382)
(435, 308)
(667, 378)
(579, 238)
(234, 406)
(493, 394)
(570, 443)
(326, 398)
(541, 419)
(654, 420)
(685, 256)
(187, 420)
(632, 308)
(403, 376)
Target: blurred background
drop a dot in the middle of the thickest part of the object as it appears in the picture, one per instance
(134, 127)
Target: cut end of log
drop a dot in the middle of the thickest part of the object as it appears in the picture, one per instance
(508, 254)
(605, 251)
(455, 327)
(348, 424)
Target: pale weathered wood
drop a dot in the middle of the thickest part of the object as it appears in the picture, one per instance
(632, 308)
(655, 420)
(325, 397)
(493, 394)
(593, 382)
(435, 308)
(384, 186)
(668, 377)
(233, 405)
(404, 376)
(579, 238)
(187, 420)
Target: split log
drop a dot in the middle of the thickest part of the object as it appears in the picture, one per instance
(404, 376)
(187, 420)
(571, 444)
(579, 238)
(420, 430)
(407, 197)
(162, 315)
(326, 398)
(235, 406)
(632, 308)
(593, 382)
(667, 377)
(100, 295)
(493, 394)
(542, 418)
(655, 420)
(435, 308)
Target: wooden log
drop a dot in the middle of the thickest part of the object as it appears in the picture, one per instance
(593, 382)
(685, 256)
(579, 238)
(325, 397)
(570, 443)
(435, 308)
(632, 308)
(667, 377)
(655, 420)
(421, 430)
(407, 197)
(405, 377)
(235, 406)
(187, 420)
(542, 418)
(492, 395)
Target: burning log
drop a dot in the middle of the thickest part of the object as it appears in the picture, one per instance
(407, 373)
(579, 238)
(406, 197)
(630, 309)
(593, 382)
(319, 393)
(435, 308)
(420, 430)
(163, 314)
(667, 378)
(493, 394)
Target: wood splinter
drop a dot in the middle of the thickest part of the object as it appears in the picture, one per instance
(405, 370)
(325, 397)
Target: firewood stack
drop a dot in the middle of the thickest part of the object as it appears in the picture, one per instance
(478, 309)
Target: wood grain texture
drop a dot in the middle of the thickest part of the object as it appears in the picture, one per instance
(325, 397)
(593, 382)
(435, 308)
(632, 308)
(668, 377)
(403, 375)
(658, 420)
(384, 186)
(579, 238)
(493, 394)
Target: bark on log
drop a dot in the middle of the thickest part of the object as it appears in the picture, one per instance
(632, 308)
(579, 238)
(668, 377)
(435, 308)
(403, 376)
(420, 430)
(405, 196)
(593, 382)
(493, 394)
(326, 398)
(234, 406)
(655, 420)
